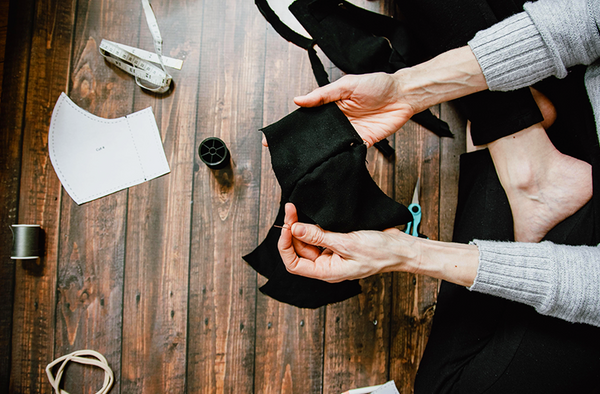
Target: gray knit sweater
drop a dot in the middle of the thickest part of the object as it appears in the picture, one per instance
(546, 39)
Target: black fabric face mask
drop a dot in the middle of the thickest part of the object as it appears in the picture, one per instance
(357, 41)
(319, 161)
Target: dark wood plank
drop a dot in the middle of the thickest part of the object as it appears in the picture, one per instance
(414, 295)
(452, 148)
(92, 242)
(358, 330)
(357, 338)
(162, 261)
(289, 340)
(35, 286)
(4, 9)
(158, 226)
(222, 301)
(16, 64)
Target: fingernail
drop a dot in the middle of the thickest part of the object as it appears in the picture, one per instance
(299, 230)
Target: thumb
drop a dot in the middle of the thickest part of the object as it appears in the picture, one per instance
(315, 98)
(335, 91)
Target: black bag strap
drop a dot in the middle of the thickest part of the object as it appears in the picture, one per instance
(295, 38)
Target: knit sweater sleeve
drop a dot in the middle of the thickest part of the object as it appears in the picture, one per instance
(546, 39)
(557, 280)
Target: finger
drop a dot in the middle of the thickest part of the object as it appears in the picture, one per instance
(293, 263)
(335, 91)
(392, 230)
(264, 141)
(291, 214)
(312, 235)
(285, 245)
(302, 249)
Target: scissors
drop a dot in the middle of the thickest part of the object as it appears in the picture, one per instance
(415, 209)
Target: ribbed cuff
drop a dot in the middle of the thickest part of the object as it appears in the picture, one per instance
(569, 29)
(557, 280)
(512, 54)
(522, 273)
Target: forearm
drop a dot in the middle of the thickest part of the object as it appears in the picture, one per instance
(452, 262)
(448, 76)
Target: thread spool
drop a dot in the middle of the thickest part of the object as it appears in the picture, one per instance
(26, 241)
(214, 153)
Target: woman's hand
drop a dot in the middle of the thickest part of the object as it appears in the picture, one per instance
(310, 251)
(307, 250)
(379, 104)
(372, 102)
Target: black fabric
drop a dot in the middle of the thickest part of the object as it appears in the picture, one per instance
(441, 25)
(357, 41)
(485, 344)
(319, 161)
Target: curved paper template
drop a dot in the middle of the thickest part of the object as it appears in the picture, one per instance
(94, 157)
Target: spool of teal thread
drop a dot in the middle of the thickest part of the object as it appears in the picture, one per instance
(26, 241)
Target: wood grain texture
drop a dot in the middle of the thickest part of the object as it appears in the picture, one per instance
(92, 236)
(414, 295)
(289, 340)
(153, 276)
(225, 219)
(15, 63)
(4, 9)
(357, 332)
(452, 148)
(157, 265)
(39, 202)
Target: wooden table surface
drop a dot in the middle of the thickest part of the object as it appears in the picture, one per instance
(152, 276)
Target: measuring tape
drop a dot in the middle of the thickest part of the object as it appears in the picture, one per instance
(140, 63)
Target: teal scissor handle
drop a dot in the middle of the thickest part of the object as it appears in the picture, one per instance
(415, 210)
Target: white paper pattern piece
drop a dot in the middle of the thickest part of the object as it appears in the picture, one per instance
(388, 388)
(94, 157)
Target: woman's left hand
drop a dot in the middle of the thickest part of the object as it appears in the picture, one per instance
(310, 251)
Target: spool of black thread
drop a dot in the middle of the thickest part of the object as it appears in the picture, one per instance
(214, 153)
(26, 241)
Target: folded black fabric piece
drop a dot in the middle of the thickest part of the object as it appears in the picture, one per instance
(319, 161)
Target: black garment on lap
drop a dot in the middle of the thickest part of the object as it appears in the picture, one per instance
(319, 161)
(485, 344)
(441, 25)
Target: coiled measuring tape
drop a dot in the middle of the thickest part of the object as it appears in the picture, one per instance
(140, 63)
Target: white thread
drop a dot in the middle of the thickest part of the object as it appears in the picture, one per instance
(81, 357)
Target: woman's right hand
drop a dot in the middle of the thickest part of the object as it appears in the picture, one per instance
(372, 103)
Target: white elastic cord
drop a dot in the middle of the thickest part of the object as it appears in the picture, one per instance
(88, 357)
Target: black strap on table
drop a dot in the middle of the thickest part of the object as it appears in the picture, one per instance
(295, 38)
